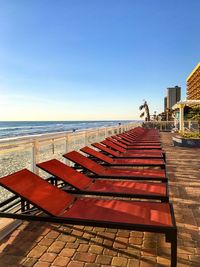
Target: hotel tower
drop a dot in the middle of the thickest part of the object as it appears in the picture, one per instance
(193, 84)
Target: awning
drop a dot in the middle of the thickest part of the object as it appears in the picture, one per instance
(185, 103)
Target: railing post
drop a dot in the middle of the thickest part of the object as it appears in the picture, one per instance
(66, 149)
(119, 129)
(86, 138)
(66, 143)
(106, 133)
(35, 156)
(97, 135)
(53, 146)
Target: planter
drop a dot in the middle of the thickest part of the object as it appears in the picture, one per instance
(186, 142)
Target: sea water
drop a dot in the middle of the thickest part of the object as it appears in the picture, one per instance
(23, 128)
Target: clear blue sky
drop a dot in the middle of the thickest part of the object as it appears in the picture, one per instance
(93, 59)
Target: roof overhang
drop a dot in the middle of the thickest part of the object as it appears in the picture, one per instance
(185, 103)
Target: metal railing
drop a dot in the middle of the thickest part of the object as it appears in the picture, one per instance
(162, 126)
(168, 126)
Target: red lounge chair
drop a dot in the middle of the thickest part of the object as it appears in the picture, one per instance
(141, 137)
(122, 162)
(144, 132)
(132, 152)
(141, 132)
(101, 171)
(138, 146)
(117, 154)
(57, 206)
(83, 184)
(135, 143)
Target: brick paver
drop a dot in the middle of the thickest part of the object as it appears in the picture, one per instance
(43, 244)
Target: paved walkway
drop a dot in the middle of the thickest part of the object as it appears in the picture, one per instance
(42, 244)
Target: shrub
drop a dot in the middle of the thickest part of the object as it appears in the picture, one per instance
(191, 135)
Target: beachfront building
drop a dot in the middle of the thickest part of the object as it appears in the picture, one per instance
(193, 84)
(173, 96)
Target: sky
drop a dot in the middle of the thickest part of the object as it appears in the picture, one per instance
(94, 59)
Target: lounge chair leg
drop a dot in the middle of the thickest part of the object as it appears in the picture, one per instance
(27, 205)
(174, 250)
(165, 200)
(172, 238)
(23, 204)
(164, 156)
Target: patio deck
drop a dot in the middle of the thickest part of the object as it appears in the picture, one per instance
(43, 244)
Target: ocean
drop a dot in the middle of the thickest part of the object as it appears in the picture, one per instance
(10, 129)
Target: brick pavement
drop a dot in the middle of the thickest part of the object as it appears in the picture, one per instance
(43, 244)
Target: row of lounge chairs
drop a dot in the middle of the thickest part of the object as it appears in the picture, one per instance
(129, 165)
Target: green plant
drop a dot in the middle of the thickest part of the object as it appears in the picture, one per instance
(191, 135)
(194, 114)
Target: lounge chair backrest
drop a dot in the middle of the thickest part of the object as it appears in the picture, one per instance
(66, 173)
(113, 145)
(126, 137)
(96, 154)
(117, 142)
(85, 162)
(106, 149)
(37, 191)
(120, 140)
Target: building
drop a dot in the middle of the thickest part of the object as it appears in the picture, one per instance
(193, 84)
(173, 96)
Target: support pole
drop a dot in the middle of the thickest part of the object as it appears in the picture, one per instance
(181, 119)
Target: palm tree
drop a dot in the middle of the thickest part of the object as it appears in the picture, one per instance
(145, 107)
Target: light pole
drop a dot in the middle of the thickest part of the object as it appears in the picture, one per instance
(154, 116)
